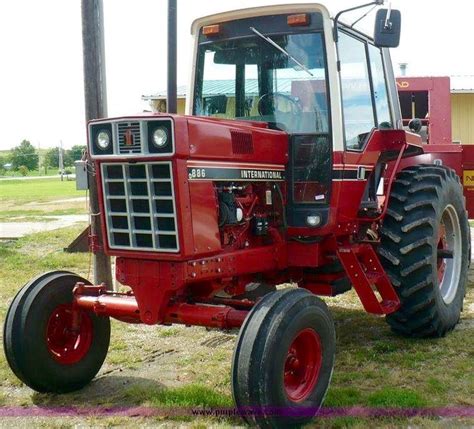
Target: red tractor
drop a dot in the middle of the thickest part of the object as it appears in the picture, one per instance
(292, 167)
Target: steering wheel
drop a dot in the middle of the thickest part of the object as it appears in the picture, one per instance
(268, 103)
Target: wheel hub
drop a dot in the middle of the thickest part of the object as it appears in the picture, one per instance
(449, 254)
(65, 344)
(302, 365)
(442, 246)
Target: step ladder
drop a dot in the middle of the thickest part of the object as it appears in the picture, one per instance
(363, 267)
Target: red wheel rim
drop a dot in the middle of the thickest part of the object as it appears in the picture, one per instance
(302, 365)
(68, 346)
(442, 245)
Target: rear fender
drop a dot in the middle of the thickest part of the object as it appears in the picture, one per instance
(381, 147)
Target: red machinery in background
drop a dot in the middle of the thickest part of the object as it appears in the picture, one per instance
(429, 98)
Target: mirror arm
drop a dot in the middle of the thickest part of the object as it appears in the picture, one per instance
(336, 19)
(388, 23)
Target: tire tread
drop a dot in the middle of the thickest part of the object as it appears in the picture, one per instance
(407, 247)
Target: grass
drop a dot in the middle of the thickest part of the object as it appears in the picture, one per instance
(33, 199)
(400, 398)
(191, 395)
(23, 191)
(178, 367)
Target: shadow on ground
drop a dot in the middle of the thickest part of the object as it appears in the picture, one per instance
(104, 390)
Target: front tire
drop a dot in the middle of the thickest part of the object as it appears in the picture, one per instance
(40, 347)
(425, 249)
(283, 359)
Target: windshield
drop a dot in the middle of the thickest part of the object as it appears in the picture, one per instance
(279, 79)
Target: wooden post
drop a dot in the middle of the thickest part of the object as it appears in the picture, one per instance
(61, 159)
(171, 99)
(95, 94)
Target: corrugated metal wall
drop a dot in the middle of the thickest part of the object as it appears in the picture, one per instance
(463, 117)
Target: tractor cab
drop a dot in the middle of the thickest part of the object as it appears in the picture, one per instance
(282, 66)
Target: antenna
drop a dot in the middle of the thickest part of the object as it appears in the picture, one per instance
(363, 16)
(336, 19)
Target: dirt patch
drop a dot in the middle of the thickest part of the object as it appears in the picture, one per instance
(43, 208)
(13, 230)
(82, 200)
(19, 220)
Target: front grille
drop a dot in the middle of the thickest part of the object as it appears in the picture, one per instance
(140, 206)
(129, 137)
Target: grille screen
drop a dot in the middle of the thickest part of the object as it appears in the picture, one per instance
(129, 137)
(241, 142)
(140, 205)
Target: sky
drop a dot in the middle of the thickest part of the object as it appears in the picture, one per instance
(41, 78)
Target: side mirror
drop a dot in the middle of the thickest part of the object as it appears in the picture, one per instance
(388, 26)
(415, 125)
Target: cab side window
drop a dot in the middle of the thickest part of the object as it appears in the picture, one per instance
(382, 106)
(358, 111)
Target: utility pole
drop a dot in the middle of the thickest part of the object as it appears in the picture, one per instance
(39, 157)
(95, 93)
(172, 91)
(61, 159)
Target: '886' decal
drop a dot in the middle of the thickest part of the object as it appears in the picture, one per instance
(197, 173)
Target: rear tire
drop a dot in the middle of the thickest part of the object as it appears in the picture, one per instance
(40, 348)
(426, 221)
(283, 359)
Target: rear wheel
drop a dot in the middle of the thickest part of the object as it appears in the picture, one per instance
(425, 249)
(41, 347)
(283, 359)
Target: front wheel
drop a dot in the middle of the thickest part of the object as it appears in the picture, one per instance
(41, 348)
(283, 359)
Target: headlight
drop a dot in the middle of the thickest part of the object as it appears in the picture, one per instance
(103, 140)
(160, 137)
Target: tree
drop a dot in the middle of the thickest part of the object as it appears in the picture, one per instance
(51, 157)
(67, 160)
(3, 161)
(26, 155)
(23, 169)
(75, 153)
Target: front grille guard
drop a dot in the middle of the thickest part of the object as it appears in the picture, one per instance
(140, 206)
